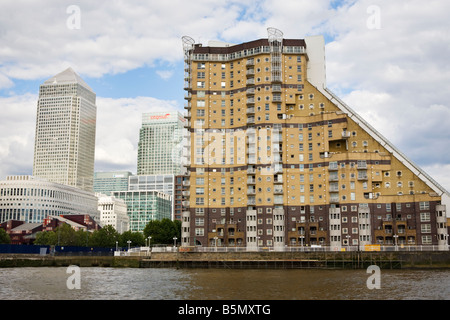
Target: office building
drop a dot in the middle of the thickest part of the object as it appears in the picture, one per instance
(31, 199)
(277, 160)
(144, 206)
(65, 131)
(160, 143)
(108, 182)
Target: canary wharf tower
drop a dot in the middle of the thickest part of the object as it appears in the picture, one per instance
(65, 131)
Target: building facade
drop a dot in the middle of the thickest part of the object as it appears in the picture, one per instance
(277, 160)
(108, 182)
(30, 199)
(113, 212)
(65, 131)
(160, 143)
(144, 206)
(158, 182)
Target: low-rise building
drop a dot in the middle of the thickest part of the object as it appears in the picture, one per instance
(113, 211)
(31, 199)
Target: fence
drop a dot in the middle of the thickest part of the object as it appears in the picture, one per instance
(55, 250)
(142, 251)
(319, 248)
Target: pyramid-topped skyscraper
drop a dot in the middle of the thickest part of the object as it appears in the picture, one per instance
(65, 131)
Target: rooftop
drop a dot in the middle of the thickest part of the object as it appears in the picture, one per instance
(67, 76)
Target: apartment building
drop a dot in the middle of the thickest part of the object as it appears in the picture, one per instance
(276, 159)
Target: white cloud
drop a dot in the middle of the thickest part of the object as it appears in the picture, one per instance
(17, 127)
(396, 76)
(118, 124)
(117, 136)
(165, 74)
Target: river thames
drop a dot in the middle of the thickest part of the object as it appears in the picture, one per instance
(221, 284)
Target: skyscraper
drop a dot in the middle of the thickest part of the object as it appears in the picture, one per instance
(65, 131)
(277, 160)
(160, 143)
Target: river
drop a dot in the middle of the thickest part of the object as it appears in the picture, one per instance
(220, 284)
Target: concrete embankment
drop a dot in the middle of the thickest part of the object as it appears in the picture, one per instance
(241, 260)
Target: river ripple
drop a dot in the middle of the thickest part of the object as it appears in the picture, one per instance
(213, 284)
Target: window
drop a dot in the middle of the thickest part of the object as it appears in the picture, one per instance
(425, 228)
(424, 216)
(199, 231)
(425, 205)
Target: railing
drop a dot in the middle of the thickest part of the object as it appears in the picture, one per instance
(144, 251)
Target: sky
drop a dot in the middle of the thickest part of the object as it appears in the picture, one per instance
(387, 60)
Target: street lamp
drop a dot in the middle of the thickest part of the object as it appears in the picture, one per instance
(395, 236)
(301, 241)
(348, 241)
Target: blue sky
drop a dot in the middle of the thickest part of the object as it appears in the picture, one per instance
(130, 53)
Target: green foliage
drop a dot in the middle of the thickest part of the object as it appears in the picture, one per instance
(4, 237)
(104, 237)
(136, 238)
(163, 231)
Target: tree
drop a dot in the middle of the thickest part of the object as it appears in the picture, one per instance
(136, 238)
(104, 237)
(163, 231)
(4, 237)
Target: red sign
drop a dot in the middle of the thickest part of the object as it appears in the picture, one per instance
(159, 117)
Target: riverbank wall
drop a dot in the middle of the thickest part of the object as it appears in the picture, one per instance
(241, 260)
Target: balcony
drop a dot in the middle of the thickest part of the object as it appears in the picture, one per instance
(278, 200)
(276, 98)
(250, 81)
(333, 166)
(250, 91)
(333, 178)
(362, 176)
(346, 134)
(361, 165)
(250, 101)
(334, 198)
(278, 191)
(250, 62)
(186, 193)
(251, 181)
(334, 188)
(276, 88)
(251, 120)
(186, 183)
(250, 110)
(251, 192)
(278, 180)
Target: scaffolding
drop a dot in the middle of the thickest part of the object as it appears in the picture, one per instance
(188, 46)
(276, 48)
